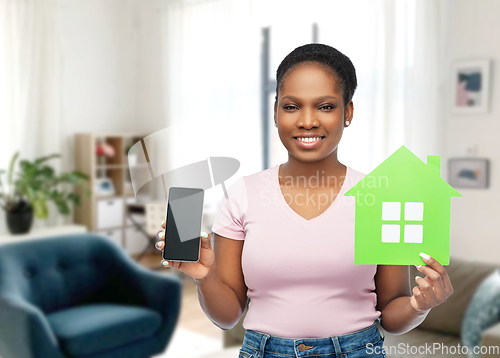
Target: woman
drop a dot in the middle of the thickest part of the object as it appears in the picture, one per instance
(307, 298)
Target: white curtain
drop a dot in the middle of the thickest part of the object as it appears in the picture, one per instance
(399, 55)
(30, 84)
(213, 62)
(211, 56)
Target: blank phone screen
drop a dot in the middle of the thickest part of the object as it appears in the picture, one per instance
(183, 224)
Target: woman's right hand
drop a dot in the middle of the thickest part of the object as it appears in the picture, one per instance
(197, 270)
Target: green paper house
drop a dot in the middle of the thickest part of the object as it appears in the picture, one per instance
(402, 209)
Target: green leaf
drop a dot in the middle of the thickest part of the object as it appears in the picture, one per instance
(69, 178)
(30, 193)
(74, 177)
(75, 198)
(47, 172)
(26, 166)
(80, 175)
(62, 206)
(40, 208)
(43, 159)
(11, 168)
(53, 194)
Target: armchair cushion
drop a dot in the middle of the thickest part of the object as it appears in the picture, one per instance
(91, 329)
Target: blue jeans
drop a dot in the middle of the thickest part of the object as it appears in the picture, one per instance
(367, 342)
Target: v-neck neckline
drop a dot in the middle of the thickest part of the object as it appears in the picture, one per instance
(296, 215)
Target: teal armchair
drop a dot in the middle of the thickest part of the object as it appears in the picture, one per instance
(82, 296)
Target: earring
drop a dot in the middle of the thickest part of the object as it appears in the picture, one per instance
(276, 124)
(347, 123)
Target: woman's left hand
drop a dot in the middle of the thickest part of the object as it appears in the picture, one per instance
(432, 290)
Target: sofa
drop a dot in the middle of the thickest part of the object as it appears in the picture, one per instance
(442, 327)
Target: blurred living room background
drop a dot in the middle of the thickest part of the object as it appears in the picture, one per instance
(88, 79)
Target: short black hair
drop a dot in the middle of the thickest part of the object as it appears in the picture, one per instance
(330, 58)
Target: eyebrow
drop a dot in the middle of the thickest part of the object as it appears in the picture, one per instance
(319, 98)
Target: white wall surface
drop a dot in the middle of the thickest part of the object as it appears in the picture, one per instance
(99, 44)
(475, 220)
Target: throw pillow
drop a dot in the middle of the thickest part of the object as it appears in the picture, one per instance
(482, 312)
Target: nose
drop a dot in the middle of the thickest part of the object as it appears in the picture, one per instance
(308, 119)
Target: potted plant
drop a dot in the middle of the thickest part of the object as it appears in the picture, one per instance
(26, 195)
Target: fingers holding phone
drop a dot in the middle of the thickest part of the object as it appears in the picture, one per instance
(197, 270)
(160, 236)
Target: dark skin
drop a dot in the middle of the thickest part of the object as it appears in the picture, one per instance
(310, 101)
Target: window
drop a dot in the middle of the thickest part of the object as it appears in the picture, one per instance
(412, 232)
(390, 233)
(414, 211)
(391, 211)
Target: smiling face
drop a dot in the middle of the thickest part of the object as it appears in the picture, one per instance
(310, 104)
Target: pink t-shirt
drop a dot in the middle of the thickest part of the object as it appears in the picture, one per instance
(300, 274)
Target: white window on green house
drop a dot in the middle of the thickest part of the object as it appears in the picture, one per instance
(413, 211)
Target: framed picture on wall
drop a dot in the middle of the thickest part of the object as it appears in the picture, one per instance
(471, 86)
(468, 172)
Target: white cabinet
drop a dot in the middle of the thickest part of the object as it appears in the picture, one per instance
(136, 241)
(109, 213)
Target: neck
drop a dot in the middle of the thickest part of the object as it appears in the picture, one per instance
(328, 170)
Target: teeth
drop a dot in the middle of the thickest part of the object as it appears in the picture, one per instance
(309, 140)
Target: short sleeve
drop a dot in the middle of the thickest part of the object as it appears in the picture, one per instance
(229, 220)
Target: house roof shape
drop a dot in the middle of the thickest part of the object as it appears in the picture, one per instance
(408, 173)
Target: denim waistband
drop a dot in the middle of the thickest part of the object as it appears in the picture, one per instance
(260, 341)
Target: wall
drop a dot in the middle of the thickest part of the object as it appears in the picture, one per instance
(475, 233)
(99, 45)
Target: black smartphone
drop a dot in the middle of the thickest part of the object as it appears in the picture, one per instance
(183, 224)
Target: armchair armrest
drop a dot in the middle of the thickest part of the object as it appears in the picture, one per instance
(140, 286)
(24, 330)
(162, 291)
(490, 341)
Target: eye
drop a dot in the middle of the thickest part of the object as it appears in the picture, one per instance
(327, 107)
(289, 107)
